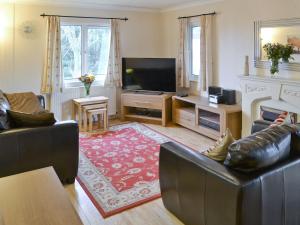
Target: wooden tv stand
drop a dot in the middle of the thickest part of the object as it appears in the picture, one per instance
(211, 120)
(146, 107)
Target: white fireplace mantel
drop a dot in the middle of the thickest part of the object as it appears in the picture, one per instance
(274, 92)
(273, 79)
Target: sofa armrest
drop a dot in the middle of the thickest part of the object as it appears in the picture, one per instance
(193, 186)
(32, 148)
(42, 100)
(201, 161)
(70, 124)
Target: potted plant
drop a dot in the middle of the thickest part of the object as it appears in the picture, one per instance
(87, 81)
(276, 52)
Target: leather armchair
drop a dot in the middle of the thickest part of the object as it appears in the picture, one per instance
(27, 149)
(201, 191)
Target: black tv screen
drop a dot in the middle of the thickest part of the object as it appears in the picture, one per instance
(149, 74)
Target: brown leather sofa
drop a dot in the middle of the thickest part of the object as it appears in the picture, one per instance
(201, 191)
(26, 149)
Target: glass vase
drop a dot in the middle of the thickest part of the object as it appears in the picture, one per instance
(87, 87)
(274, 67)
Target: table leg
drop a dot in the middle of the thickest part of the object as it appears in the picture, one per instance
(85, 122)
(73, 111)
(164, 113)
(105, 120)
(90, 122)
(99, 121)
(79, 117)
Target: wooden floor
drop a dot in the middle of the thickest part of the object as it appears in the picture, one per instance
(152, 213)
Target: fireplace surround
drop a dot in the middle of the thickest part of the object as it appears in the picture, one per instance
(273, 92)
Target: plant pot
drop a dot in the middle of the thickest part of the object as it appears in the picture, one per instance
(274, 67)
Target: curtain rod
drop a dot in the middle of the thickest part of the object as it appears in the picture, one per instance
(205, 14)
(87, 17)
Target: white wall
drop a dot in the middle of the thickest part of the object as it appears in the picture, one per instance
(21, 58)
(146, 34)
(234, 34)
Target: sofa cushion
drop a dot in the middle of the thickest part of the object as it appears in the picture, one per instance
(283, 118)
(295, 142)
(21, 119)
(295, 147)
(26, 102)
(259, 150)
(220, 150)
(4, 105)
(269, 114)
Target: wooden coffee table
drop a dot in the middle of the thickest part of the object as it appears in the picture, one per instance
(34, 198)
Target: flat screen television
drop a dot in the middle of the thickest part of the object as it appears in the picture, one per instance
(149, 74)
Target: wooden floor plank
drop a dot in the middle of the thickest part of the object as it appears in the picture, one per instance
(151, 213)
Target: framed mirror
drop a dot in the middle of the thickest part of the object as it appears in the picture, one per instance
(283, 31)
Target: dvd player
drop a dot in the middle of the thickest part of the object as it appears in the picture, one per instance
(217, 99)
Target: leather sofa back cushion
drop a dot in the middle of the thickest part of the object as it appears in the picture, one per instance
(21, 119)
(259, 150)
(26, 102)
(295, 143)
(296, 140)
(4, 105)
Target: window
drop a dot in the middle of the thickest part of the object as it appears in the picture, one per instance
(196, 51)
(84, 49)
(195, 30)
(71, 51)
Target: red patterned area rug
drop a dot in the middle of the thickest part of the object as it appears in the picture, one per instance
(118, 169)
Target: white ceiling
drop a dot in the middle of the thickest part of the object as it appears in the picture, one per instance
(134, 4)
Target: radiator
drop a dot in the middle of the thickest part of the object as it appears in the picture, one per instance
(61, 103)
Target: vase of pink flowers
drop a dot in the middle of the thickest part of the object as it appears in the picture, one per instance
(87, 81)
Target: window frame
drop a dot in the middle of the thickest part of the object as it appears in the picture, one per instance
(193, 23)
(85, 25)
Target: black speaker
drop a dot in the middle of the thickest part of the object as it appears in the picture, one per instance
(229, 97)
(213, 90)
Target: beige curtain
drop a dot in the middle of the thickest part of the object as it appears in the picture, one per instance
(52, 75)
(205, 78)
(114, 76)
(183, 59)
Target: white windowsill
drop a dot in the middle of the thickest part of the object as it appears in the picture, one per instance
(75, 83)
(78, 84)
(194, 78)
